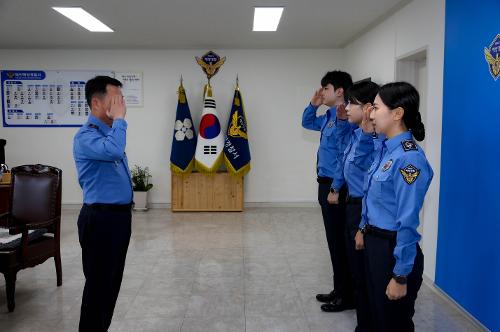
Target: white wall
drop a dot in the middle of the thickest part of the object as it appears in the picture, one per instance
(276, 86)
(416, 26)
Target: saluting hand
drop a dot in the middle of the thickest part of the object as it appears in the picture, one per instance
(117, 109)
(341, 112)
(395, 291)
(333, 198)
(317, 99)
(366, 123)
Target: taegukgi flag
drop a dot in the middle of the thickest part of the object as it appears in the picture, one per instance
(209, 150)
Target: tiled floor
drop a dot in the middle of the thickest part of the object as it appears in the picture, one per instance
(252, 271)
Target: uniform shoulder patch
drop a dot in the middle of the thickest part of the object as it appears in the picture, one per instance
(409, 145)
(410, 173)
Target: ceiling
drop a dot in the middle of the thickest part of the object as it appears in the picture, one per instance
(189, 24)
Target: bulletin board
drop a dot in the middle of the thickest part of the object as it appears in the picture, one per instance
(45, 98)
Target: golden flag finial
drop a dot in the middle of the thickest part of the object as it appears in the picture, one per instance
(182, 92)
(207, 91)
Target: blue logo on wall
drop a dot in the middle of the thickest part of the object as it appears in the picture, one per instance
(20, 75)
(492, 55)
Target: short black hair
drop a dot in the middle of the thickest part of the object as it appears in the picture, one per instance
(97, 85)
(337, 78)
(404, 95)
(363, 92)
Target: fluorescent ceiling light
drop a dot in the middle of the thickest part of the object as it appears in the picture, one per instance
(267, 18)
(80, 16)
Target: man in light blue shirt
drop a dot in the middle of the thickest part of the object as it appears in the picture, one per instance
(99, 152)
(331, 94)
(104, 223)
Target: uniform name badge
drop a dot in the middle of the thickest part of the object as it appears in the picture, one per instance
(387, 165)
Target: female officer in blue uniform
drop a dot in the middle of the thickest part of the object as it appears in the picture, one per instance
(357, 158)
(394, 193)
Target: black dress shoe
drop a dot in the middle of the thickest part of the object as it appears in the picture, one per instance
(327, 298)
(360, 329)
(338, 305)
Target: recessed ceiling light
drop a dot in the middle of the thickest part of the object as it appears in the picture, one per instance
(80, 16)
(267, 18)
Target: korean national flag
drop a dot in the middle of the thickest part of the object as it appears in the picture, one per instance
(209, 151)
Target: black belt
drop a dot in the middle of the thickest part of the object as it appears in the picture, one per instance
(324, 180)
(354, 200)
(379, 232)
(109, 207)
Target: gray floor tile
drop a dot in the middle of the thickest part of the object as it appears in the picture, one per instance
(259, 270)
(217, 324)
(275, 324)
(213, 305)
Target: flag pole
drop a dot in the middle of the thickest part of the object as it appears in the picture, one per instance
(237, 82)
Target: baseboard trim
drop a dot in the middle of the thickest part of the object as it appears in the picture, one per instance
(442, 294)
(71, 206)
(77, 206)
(281, 204)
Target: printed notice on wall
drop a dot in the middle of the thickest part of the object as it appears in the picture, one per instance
(132, 88)
(45, 98)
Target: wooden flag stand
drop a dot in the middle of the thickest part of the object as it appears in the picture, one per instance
(197, 192)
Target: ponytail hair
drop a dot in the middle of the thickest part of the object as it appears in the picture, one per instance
(404, 95)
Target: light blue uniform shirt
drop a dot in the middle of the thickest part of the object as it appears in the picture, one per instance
(394, 189)
(356, 159)
(101, 162)
(328, 151)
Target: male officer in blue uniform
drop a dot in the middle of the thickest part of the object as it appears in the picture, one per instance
(334, 84)
(104, 224)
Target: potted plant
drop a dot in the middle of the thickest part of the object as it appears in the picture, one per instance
(140, 181)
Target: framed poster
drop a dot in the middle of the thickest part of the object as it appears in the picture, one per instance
(132, 88)
(45, 98)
